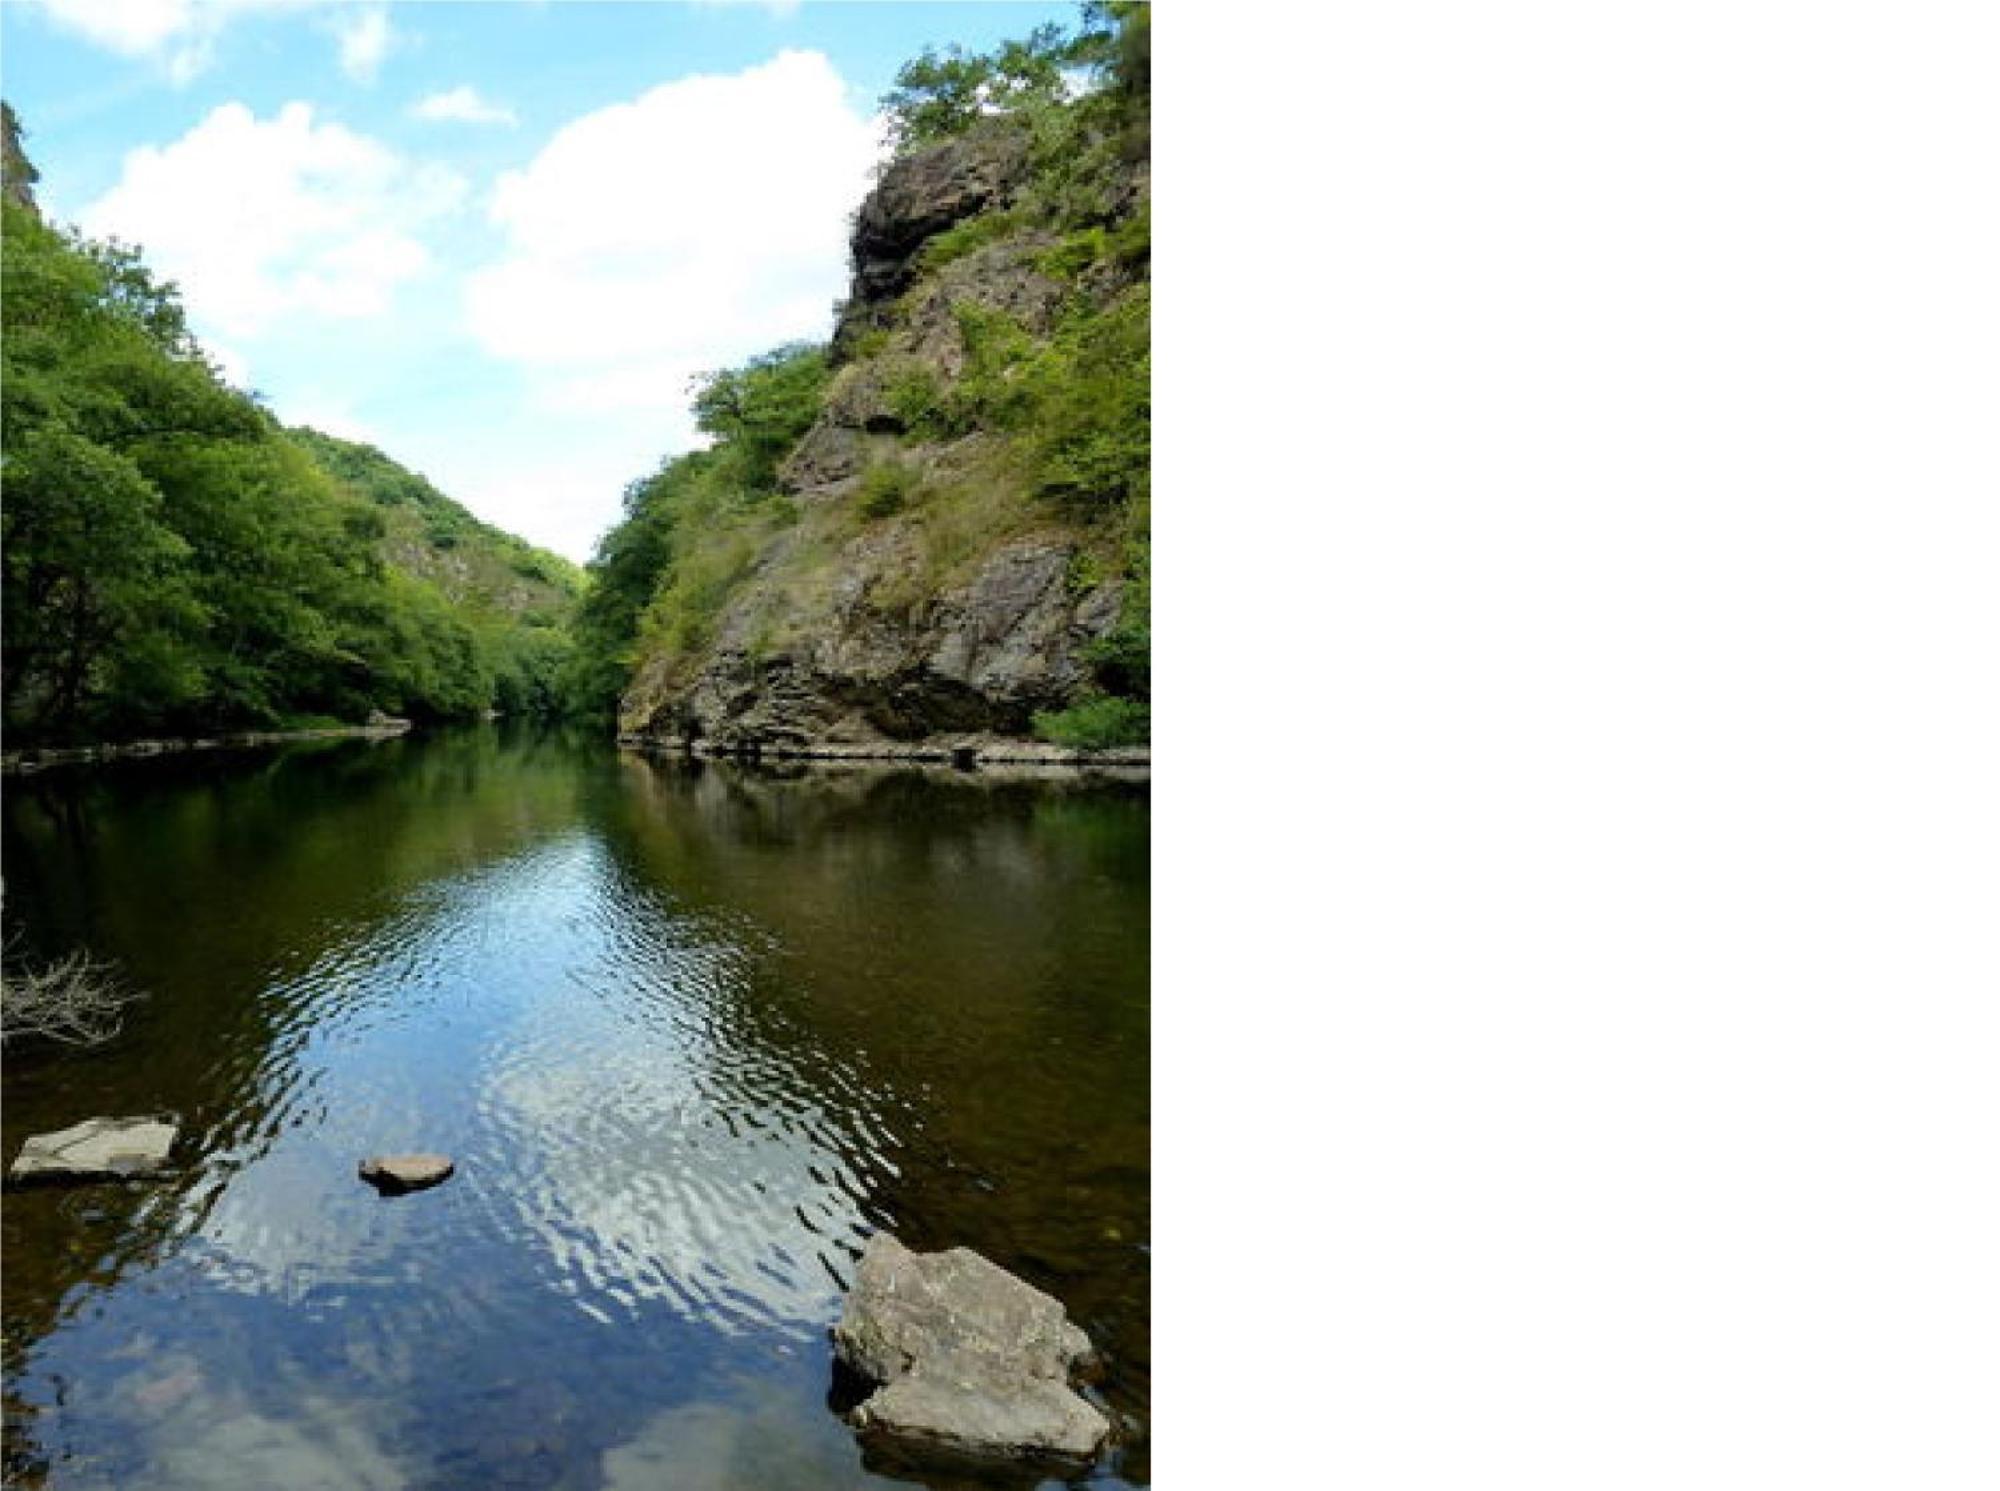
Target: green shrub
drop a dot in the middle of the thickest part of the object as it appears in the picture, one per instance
(886, 488)
(1083, 398)
(1084, 574)
(870, 343)
(1092, 399)
(1097, 724)
(1128, 243)
(968, 237)
(915, 397)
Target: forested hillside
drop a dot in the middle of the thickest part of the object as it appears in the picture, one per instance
(937, 527)
(176, 561)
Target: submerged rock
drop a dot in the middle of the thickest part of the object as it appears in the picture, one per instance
(96, 1149)
(969, 1358)
(395, 1174)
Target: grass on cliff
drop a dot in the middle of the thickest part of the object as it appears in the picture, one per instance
(1097, 724)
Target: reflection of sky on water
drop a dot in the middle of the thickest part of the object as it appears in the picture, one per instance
(580, 1049)
(573, 1045)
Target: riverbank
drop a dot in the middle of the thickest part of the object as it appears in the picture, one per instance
(21, 763)
(944, 750)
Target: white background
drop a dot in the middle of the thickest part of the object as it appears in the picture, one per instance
(1576, 841)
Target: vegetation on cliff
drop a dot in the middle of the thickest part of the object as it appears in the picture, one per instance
(940, 522)
(176, 561)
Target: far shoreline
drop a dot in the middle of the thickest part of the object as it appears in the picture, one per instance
(34, 759)
(966, 752)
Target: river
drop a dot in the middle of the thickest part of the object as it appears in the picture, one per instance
(691, 1033)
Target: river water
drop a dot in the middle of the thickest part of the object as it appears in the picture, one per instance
(691, 1032)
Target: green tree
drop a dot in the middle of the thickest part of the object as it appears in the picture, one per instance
(941, 94)
(758, 411)
(176, 560)
(89, 566)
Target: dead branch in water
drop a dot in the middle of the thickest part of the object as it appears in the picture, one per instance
(76, 1000)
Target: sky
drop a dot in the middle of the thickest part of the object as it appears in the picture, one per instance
(495, 238)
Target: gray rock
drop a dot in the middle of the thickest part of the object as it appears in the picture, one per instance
(979, 656)
(828, 454)
(970, 1359)
(918, 197)
(395, 1174)
(96, 1149)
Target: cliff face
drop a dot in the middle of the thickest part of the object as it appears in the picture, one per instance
(926, 583)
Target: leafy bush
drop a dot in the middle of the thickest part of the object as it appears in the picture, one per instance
(1092, 395)
(917, 399)
(886, 488)
(1128, 244)
(1083, 399)
(969, 237)
(1097, 724)
(870, 343)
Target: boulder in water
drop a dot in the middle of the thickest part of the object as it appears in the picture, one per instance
(969, 1358)
(396, 1174)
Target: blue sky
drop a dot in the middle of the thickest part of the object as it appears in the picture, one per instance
(493, 238)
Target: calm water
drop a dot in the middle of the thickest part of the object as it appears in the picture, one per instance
(691, 1034)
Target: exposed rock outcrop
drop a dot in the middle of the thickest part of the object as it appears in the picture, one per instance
(979, 658)
(969, 1358)
(924, 589)
(918, 197)
(96, 1149)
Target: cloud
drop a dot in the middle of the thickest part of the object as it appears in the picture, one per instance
(258, 220)
(233, 365)
(702, 222)
(132, 28)
(363, 34)
(180, 35)
(555, 482)
(463, 105)
(331, 417)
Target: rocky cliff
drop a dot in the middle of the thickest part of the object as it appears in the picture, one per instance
(954, 559)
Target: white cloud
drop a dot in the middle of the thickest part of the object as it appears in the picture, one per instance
(258, 220)
(180, 35)
(703, 221)
(363, 34)
(555, 482)
(331, 417)
(233, 365)
(463, 105)
(132, 28)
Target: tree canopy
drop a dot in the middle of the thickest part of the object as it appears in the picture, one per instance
(176, 561)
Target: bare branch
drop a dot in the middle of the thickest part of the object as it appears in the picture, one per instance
(76, 1000)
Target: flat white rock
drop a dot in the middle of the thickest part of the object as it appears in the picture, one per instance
(96, 1149)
